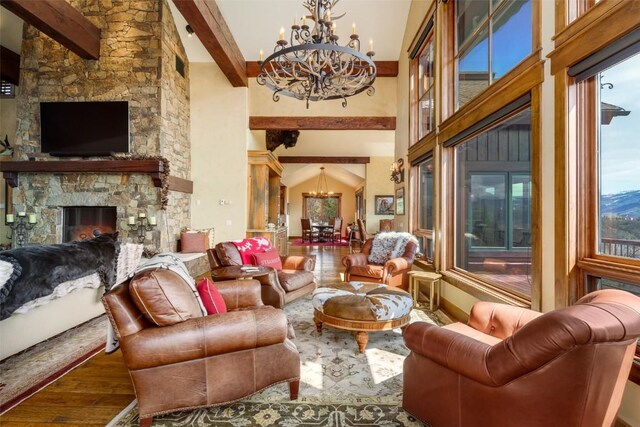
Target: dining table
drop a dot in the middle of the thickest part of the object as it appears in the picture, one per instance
(321, 229)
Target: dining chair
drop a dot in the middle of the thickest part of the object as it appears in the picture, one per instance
(337, 229)
(362, 231)
(307, 231)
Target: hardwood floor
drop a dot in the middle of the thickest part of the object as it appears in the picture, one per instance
(96, 391)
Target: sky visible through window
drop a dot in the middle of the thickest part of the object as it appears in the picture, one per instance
(620, 140)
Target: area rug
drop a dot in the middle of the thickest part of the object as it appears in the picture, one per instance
(23, 374)
(339, 386)
(300, 242)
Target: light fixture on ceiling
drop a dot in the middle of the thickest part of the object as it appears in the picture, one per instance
(189, 30)
(397, 171)
(315, 67)
(322, 189)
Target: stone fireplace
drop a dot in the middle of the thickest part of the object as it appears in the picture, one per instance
(138, 51)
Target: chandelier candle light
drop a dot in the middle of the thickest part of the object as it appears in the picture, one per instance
(322, 189)
(315, 67)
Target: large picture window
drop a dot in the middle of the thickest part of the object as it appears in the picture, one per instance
(423, 108)
(493, 199)
(424, 231)
(321, 209)
(492, 37)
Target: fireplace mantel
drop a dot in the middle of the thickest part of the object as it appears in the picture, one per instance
(154, 168)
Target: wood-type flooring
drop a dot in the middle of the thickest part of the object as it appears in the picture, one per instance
(96, 391)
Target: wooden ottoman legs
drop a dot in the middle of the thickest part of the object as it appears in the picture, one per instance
(318, 326)
(362, 338)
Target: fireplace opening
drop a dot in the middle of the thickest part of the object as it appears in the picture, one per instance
(83, 222)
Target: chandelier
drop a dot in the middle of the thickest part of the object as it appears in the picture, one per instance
(315, 67)
(322, 189)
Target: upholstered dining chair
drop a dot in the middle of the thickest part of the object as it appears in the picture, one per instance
(180, 360)
(362, 231)
(335, 230)
(509, 366)
(307, 231)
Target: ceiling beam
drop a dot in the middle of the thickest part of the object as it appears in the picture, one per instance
(212, 30)
(384, 68)
(9, 66)
(320, 159)
(60, 21)
(322, 123)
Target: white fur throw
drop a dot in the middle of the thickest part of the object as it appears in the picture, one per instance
(389, 245)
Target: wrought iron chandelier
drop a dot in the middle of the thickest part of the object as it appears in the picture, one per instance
(312, 66)
(322, 189)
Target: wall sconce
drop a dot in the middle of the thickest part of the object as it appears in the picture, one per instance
(20, 228)
(397, 171)
(142, 224)
(189, 30)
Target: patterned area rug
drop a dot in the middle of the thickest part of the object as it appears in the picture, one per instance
(339, 386)
(25, 373)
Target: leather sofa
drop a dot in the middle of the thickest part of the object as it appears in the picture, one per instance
(391, 273)
(198, 361)
(279, 287)
(511, 366)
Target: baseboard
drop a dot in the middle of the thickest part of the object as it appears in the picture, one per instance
(453, 311)
(620, 423)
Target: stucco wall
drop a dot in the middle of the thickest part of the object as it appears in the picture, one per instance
(378, 183)
(219, 123)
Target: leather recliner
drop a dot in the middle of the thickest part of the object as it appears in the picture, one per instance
(391, 273)
(204, 360)
(279, 287)
(511, 366)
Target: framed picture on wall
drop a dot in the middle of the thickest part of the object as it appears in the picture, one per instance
(400, 201)
(384, 205)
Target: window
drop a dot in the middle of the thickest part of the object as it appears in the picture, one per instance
(493, 36)
(321, 209)
(493, 199)
(423, 85)
(424, 231)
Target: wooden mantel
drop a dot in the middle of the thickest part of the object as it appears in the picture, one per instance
(11, 169)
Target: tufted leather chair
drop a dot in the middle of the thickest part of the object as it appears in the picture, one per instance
(392, 273)
(294, 281)
(204, 360)
(511, 366)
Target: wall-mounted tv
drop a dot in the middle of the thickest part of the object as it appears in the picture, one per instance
(84, 128)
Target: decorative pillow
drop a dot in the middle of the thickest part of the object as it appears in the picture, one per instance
(250, 246)
(213, 301)
(268, 258)
(164, 297)
(210, 232)
(193, 242)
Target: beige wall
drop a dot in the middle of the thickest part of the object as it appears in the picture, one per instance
(347, 203)
(219, 139)
(382, 103)
(377, 184)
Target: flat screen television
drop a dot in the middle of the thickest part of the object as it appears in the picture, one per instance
(84, 128)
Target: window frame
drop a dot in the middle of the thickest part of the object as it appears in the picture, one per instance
(582, 29)
(426, 235)
(337, 196)
(425, 36)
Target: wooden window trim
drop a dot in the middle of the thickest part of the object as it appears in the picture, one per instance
(414, 79)
(309, 195)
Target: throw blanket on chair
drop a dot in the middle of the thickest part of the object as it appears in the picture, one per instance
(250, 246)
(34, 272)
(389, 245)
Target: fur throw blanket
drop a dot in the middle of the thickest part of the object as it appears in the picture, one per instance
(33, 272)
(389, 245)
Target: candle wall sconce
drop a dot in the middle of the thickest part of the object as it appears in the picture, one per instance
(397, 171)
(20, 224)
(141, 224)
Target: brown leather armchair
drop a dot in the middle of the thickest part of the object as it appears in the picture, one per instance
(279, 287)
(391, 273)
(512, 366)
(205, 360)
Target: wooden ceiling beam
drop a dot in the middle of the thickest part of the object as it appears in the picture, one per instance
(207, 22)
(60, 21)
(322, 123)
(9, 66)
(385, 68)
(320, 159)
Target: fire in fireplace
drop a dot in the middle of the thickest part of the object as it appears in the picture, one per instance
(82, 222)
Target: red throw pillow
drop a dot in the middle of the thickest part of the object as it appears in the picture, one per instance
(193, 242)
(211, 298)
(250, 246)
(268, 258)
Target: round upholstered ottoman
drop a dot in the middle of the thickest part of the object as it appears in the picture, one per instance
(362, 307)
